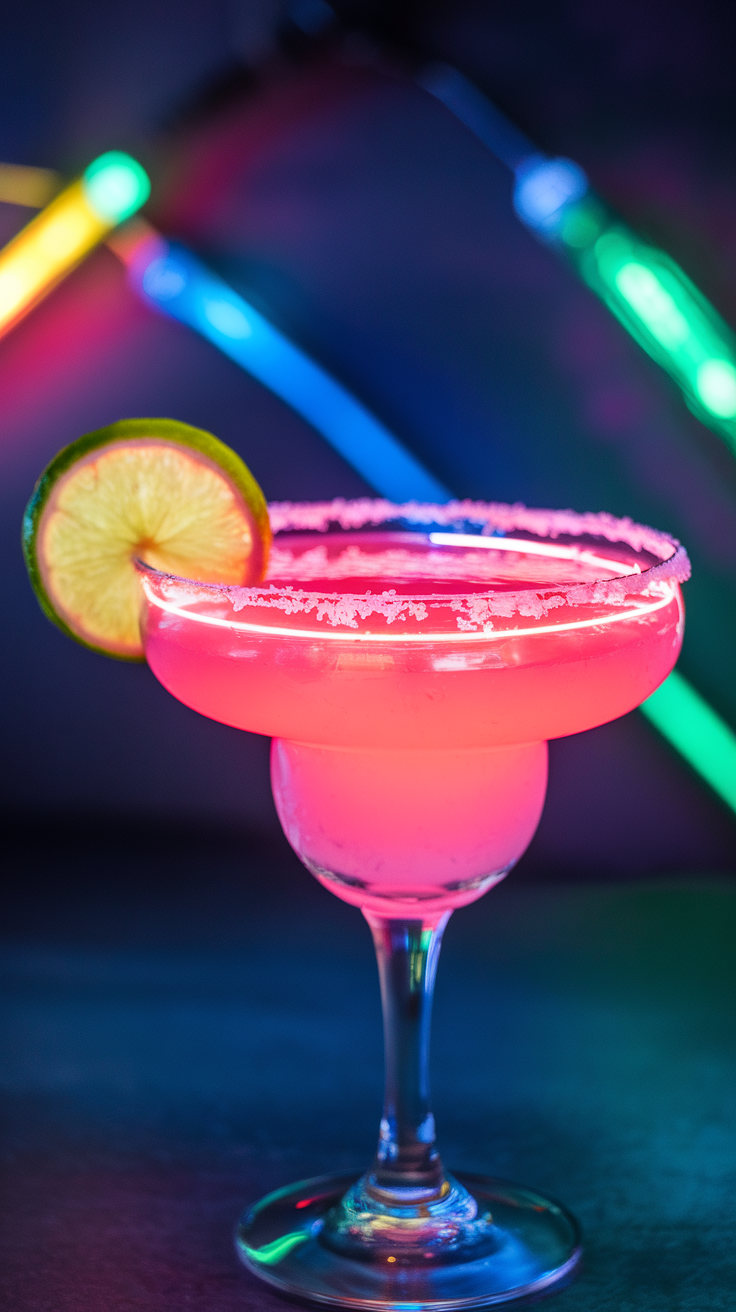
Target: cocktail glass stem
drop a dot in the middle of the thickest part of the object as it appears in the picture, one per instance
(407, 1159)
(406, 1233)
(406, 1208)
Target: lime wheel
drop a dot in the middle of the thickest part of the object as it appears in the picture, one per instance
(150, 489)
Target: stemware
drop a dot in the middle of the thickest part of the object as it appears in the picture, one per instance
(410, 664)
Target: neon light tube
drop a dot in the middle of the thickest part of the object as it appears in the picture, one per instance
(41, 254)
(646, 290)
(21, 184)
(174, 281)
(666, 314)
(468, 103)
(698, 733)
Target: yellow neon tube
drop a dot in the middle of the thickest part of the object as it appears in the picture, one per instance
(22, 184)
(112, 188)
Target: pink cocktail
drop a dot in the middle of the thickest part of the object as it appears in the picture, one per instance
(410, 664)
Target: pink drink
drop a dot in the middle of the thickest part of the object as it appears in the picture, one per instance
(410, 675)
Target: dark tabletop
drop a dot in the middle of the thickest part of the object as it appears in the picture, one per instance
(192, 1021)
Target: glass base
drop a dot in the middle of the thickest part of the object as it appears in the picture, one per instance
(502, 1243)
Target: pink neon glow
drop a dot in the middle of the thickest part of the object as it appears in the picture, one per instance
(410, 684)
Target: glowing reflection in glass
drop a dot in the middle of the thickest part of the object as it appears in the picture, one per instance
(270, 1254)
(487, 635)
(531, 549)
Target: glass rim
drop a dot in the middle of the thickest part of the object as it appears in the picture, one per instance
(673, 565)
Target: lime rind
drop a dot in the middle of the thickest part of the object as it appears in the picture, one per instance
(168, 430)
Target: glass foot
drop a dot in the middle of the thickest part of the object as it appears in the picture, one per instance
(485, 1241)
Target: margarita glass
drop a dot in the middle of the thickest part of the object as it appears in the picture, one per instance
(410, 663)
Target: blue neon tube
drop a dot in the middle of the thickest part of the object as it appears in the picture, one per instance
(468, 103)
(175, 281)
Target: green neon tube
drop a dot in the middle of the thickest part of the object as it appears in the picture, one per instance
(646, 290)
(664, 311)
(700, 735)
(642, 286)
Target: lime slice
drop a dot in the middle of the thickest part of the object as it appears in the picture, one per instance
(155, 489)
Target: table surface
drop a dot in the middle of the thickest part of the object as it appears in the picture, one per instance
(188, 1028)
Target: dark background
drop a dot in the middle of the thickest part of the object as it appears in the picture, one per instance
(379, 232)
(192, 1020)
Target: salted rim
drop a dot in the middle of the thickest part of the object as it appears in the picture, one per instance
(474, 609)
